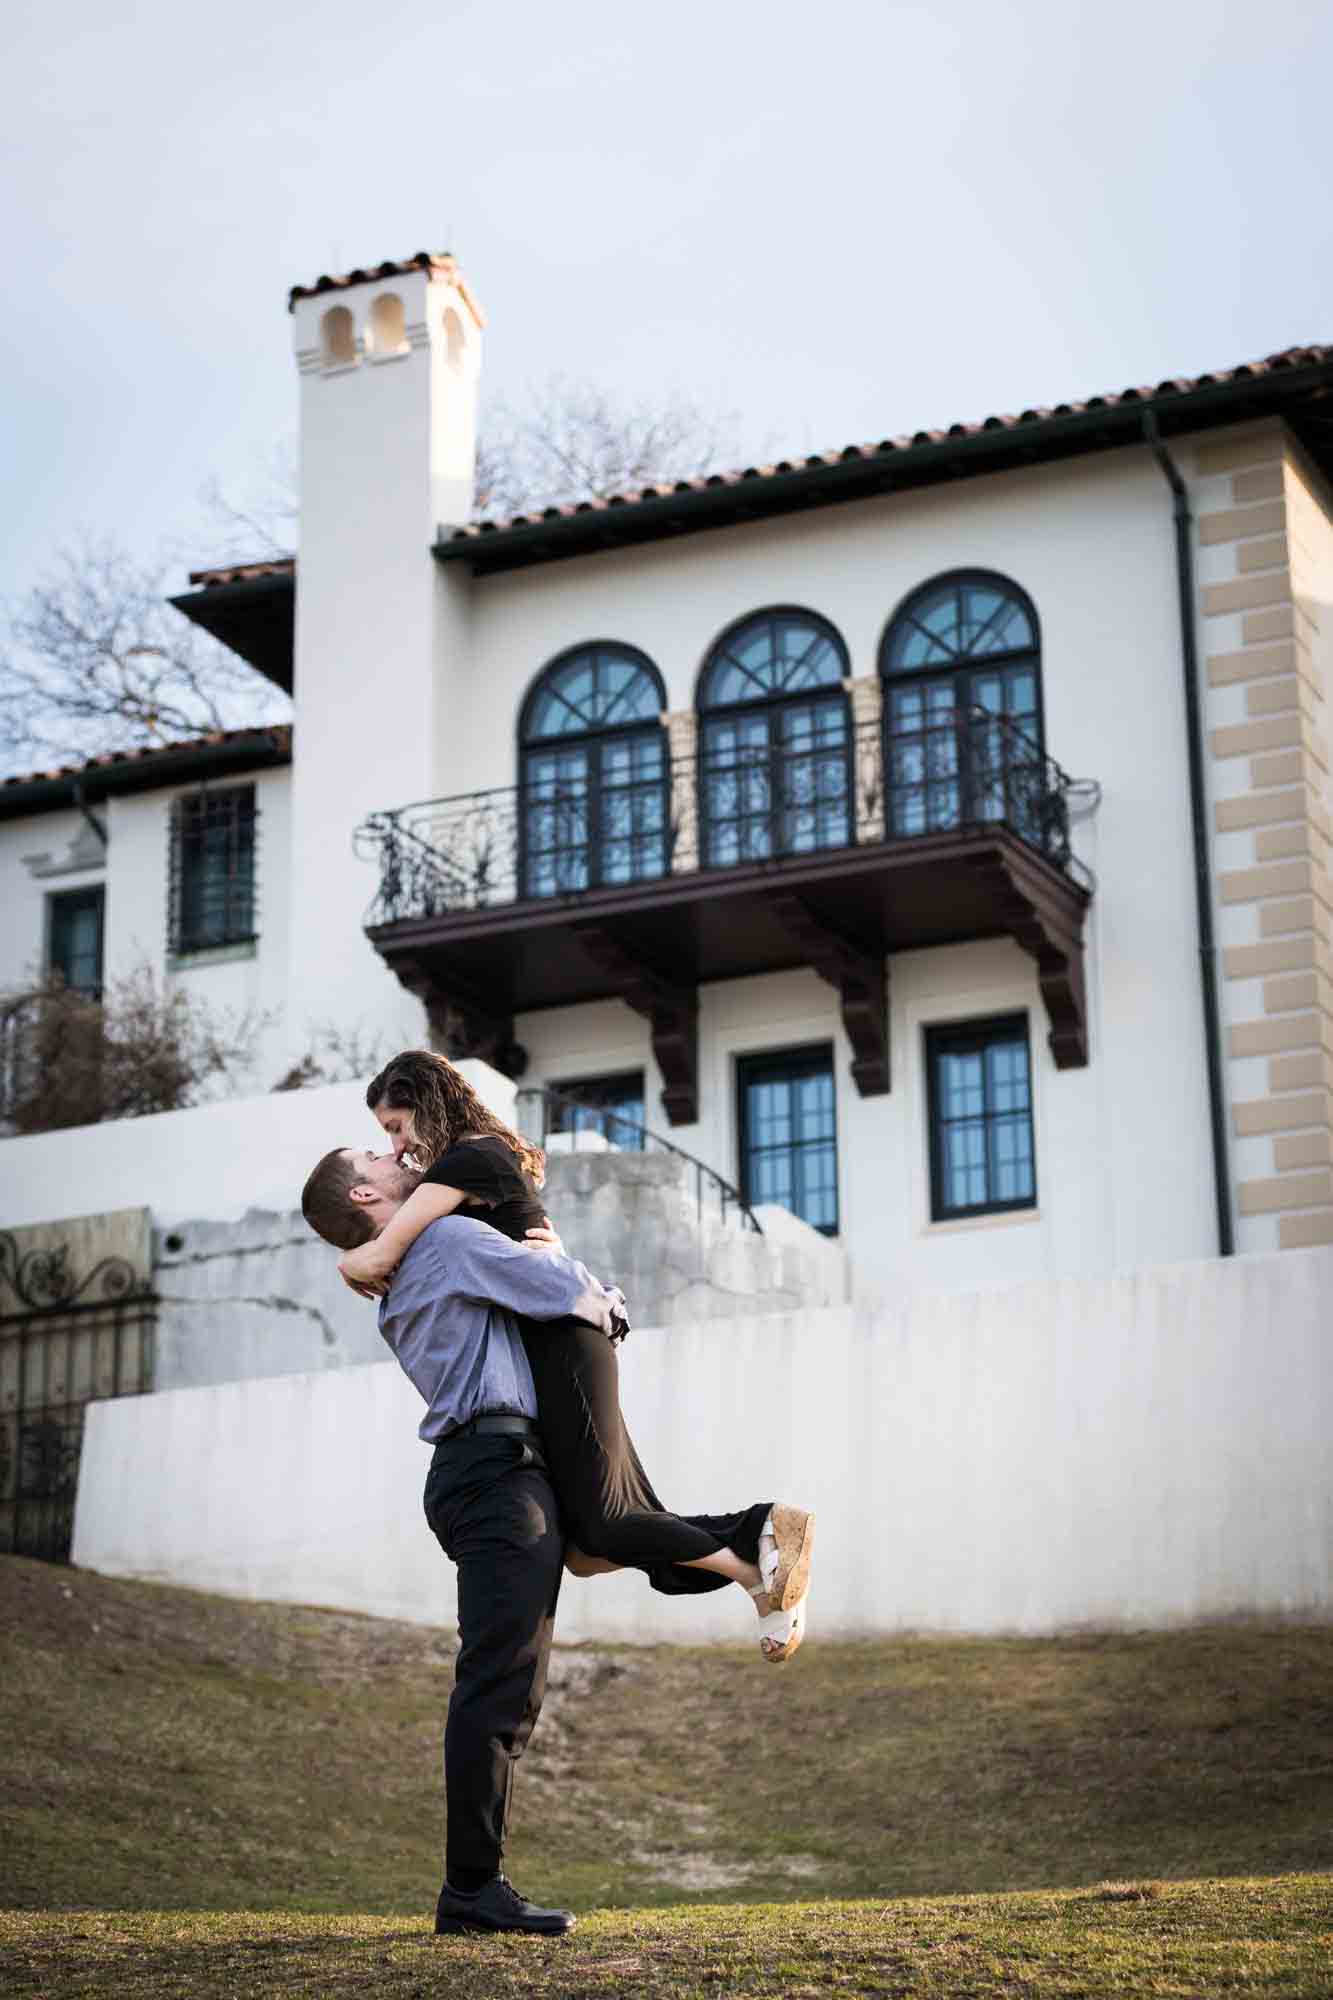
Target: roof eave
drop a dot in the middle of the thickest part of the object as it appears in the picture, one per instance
(255, 617)
(892, 468)
(253, 750)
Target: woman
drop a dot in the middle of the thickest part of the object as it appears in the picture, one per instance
(474, 1163)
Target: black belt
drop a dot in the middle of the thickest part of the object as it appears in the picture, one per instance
(505, 1426)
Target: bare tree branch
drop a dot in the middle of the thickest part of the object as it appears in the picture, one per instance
(564, 441)
(267, 521)
(571, 441)
(96, 661)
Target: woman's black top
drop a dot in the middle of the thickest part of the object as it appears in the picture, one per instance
(489, 1173)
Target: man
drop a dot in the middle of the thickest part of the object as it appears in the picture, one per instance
(448, 1317)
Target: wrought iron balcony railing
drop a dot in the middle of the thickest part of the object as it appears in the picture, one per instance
(744, 798)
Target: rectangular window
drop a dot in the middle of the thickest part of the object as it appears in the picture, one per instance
(788, 1134)
(611, 1105)
(74, 948)
(594, 812)
(981, 1152)
(213, 869)
(776, 781)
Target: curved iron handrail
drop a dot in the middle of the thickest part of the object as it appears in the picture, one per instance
(728, 1197)
(958, 768)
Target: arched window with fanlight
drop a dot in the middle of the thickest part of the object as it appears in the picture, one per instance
(775, 774)
(593, 778)
(961, 667)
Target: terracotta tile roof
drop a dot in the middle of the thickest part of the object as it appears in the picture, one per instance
(272, 741)
(435, 263)
(1294, 382)
(1032, 420)
(245, 572)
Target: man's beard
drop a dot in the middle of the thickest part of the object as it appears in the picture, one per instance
(407, 1182)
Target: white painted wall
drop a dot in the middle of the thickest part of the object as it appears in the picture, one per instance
(213, 1162)
(1135, 1452)
(1124, 1165)
(47, 836)
(235, 986)
(134, 872)
(1090, 540)
(1115, 1179)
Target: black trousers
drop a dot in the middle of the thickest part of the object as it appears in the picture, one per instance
(490, 1503)
(607, 1502)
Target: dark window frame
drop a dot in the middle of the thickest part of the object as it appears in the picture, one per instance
(805, 1057)
(594, 741)
(93, 896)
(962, 674)
(587, 1088)
(233, 812)
(972, 1037)
(776, 760)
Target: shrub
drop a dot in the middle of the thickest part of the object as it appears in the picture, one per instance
(71, 1059)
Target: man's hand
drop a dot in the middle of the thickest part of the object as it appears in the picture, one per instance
(544, 1238)
(620, 1319)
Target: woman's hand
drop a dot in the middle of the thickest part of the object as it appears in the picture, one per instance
(544, 1238)
(364, 1272)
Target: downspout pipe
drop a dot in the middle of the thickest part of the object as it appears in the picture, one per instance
(81, 801)
(1203, 886)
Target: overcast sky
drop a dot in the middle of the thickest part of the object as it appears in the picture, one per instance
(838, 221)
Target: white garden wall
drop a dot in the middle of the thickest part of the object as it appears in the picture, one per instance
(1137, 1451)
(212, 1163)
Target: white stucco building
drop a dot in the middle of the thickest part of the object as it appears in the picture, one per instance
(839, 814)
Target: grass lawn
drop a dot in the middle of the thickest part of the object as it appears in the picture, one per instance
(1191, 1939)
(736, 1829)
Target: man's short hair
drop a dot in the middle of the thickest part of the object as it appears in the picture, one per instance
(326, 1202)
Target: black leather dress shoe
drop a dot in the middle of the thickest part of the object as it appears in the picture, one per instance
(497, 1906)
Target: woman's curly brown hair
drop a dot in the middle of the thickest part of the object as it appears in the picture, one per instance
(444, 1108)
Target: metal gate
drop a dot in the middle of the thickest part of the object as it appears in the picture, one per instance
(76, 1324)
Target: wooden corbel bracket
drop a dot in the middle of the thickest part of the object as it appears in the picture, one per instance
(670, 1008)
(1046, 920)
(861, 979)
(460, 1020)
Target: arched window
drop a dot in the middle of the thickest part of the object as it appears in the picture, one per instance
(337, 332)
(388, 327)
(593, 772)
(775, 774)
(959, 651)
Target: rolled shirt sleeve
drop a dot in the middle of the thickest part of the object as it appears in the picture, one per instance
(539, 1284)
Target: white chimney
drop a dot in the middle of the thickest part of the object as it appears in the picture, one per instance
(389, 362)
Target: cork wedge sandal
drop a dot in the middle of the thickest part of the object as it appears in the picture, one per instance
(786, 1543)
(780, 1632)
(791, 1532)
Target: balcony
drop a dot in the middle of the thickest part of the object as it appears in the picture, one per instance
(743, 859)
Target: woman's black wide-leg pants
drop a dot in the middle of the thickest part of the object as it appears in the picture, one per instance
(607, 1503)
